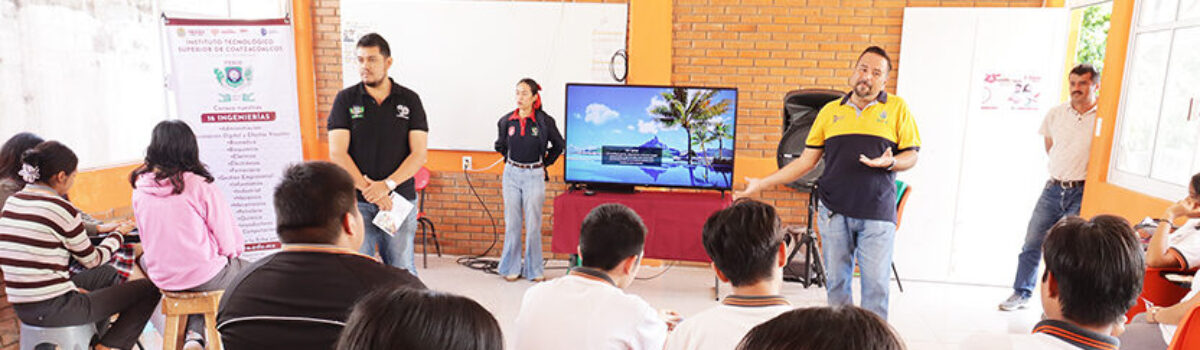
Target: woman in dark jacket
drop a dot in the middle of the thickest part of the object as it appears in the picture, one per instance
(529, 141)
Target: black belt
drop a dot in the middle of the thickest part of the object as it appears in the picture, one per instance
(1067, 184)
(526, 166)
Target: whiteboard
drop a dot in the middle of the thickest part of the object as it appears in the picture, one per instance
(464, 58)
(982, 162)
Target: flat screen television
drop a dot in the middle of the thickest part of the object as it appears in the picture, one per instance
(645, 135)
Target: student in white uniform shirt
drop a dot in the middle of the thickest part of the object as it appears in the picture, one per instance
(1179, 248)
(837, 327)
(1155, 328)
(746, 245)
(1094, 271)
(587, 308)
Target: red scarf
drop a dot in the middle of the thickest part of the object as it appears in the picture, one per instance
(532, 115)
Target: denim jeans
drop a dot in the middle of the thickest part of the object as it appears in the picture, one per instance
(846, 241)
(1055, 203)
(395, 250)
(524, 193)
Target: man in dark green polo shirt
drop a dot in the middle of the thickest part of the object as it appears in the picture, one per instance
(378, 133)
(857, 137)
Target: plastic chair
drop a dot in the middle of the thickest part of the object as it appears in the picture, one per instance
(1157, 290)
(420, 181)
(1187, 336)
(902, 192)
(65, 338)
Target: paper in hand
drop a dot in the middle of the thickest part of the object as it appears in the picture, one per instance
(390, 221)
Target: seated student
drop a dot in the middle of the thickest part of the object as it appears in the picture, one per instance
(587, 309)
(1093, 275)
(1181, 248)
(839, 327)
(298, 298)
(746, 244)
(10, 162)
(1155, 328)
(39, 232)
(11, 182)
(190, 240)
(405, 318)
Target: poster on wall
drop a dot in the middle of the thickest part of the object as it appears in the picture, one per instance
(234, 83)
(1011, 92)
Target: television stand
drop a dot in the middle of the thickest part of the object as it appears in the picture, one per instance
(592, 189)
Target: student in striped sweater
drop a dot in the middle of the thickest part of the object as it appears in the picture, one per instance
(39, 232)
(11, 182)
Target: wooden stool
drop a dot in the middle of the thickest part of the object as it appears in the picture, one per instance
(178, 305)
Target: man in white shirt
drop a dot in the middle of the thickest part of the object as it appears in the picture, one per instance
(587, 308)
(1068, 135)
(1085, 298)
(746, 245)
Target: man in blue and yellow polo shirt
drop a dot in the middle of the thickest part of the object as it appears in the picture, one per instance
(865, 138)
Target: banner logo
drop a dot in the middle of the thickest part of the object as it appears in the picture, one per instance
(234, 78)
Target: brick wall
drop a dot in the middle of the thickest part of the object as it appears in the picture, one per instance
(10, 330)
(764, 48)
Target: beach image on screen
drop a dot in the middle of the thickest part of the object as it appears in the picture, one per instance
(653, 136)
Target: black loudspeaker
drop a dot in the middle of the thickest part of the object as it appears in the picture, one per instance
(800, 108)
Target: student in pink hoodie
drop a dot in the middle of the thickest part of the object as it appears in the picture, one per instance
(189, 236)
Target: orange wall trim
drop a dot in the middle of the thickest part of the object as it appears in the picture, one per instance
(1099, 196)
(650, 49)
(302, 25)
(101, 189)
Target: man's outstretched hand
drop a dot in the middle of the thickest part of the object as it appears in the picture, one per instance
(883, 161)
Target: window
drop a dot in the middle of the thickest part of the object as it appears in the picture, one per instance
(1155, 151)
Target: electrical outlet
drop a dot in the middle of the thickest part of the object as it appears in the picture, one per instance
(466, 163)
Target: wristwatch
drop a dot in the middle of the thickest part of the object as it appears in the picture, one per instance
(1169, 223)
(390, 184)
(889, 168)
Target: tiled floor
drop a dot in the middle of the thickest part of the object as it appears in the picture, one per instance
(927, 315)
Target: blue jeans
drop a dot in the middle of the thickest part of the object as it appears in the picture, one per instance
(845, 241)
(524, 193)
(1055, 203)
(394, 250)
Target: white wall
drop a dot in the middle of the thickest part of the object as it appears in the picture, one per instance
(90, 73)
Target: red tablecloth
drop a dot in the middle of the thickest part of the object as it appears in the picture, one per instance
(674, 220)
